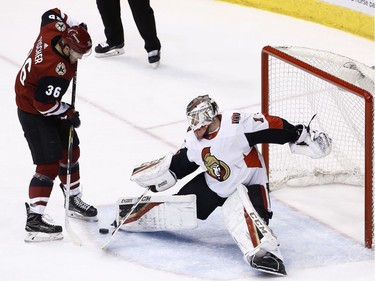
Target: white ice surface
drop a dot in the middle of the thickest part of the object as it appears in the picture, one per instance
(132, 113)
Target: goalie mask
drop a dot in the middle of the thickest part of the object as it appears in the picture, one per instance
(201, 112)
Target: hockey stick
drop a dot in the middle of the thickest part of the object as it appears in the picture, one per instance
(123, 220)
(75, 238)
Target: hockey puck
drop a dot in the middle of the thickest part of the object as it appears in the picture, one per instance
(103, 230)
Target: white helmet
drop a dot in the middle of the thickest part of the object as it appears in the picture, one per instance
(201, 111)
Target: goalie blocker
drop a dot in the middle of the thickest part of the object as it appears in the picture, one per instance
(155, 174)
(157, 213)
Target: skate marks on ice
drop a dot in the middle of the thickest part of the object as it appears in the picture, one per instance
(209, 251)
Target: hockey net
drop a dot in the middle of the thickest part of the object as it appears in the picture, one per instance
(300, 82)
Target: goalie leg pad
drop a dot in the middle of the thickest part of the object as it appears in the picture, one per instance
(159, 213)
(247, 228)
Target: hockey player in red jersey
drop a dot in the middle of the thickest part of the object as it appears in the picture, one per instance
(234, 175)
(45, 119)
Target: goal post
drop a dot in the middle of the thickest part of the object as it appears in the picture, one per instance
(299, 82)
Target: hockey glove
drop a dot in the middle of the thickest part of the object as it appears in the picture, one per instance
(155, 174)
(316, 145)
(73, 117)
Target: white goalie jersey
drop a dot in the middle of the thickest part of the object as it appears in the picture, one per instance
(230, 155)
(226, 156)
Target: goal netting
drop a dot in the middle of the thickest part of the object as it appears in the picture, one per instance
(300, 82)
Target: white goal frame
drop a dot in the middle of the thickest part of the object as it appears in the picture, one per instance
(366, 94)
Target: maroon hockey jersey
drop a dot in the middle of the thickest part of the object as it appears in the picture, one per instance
(45, 75)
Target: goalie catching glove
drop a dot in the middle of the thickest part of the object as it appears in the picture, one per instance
(155, 174)
(312, 143)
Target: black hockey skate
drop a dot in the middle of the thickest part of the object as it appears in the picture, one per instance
(106, 50)
(39, 230)
(79, 209)
(268, 263)
(154, 58)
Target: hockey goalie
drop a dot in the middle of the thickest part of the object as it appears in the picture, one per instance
(234, 177)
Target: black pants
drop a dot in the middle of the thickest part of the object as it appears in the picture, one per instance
(110, 11)
(208, 201)
(47, 137)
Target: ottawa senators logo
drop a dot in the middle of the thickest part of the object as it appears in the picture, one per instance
(215, 167)
(60, 68)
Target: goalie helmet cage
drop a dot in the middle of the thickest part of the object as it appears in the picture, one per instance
(299, 82)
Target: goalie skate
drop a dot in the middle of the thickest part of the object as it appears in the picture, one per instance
(268, 263)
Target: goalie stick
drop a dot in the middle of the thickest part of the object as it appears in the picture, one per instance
(123, 220)
(75, 238)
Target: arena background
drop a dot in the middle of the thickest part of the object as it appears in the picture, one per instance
(353, 16)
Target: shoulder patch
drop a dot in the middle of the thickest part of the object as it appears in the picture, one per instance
(60, 26)
(236, 118)
(60, 68)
